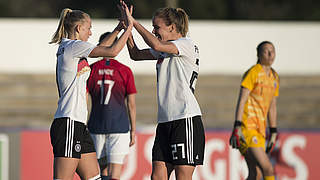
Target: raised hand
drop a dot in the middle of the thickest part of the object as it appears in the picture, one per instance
(121, 25)
(126, 14)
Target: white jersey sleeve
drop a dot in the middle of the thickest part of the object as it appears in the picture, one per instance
(82, 49)
(183, 46)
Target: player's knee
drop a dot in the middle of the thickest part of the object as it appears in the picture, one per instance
(155, 176)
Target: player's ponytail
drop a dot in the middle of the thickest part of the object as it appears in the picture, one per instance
(175, 16)
(60, 32)
(68, 20)
(183, 22)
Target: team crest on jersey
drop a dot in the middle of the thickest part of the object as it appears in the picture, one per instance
(275, 84)
(255, 139)
(83, 66)
(77, 147)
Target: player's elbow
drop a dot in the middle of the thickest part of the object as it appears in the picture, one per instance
(114, 52)
(134, 57)
(156, 47)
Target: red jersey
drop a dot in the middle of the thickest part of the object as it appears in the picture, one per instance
(109, 84)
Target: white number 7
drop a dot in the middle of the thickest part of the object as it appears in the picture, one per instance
(110, 83)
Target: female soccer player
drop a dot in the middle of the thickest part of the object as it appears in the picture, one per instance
(257, 103)
(72, 145)
(112, 122)
(179, 142)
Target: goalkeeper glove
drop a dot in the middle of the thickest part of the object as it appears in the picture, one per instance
(236, 135)
(271, 140)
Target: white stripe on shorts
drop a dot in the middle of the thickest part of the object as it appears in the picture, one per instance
(189, 140)
(69, 138)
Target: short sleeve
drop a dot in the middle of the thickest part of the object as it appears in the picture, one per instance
(184, 46)
(249, 79)
(82, 49)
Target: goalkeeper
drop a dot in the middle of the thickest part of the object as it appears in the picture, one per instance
(257, 104)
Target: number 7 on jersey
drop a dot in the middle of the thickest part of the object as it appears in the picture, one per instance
(108, 95)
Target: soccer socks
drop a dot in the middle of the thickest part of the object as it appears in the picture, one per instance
(269, 178)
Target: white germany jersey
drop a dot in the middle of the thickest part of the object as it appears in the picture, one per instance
(72, 72)
(176, 80)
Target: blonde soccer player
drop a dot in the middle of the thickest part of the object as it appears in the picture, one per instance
(73, 147)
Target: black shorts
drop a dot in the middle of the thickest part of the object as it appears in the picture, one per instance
(180, 142)
(70, 138)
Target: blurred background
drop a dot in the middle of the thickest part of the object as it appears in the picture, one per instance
(227, 32)
(288, 10)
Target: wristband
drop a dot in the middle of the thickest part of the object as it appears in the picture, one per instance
(273, 130)
(237, 123)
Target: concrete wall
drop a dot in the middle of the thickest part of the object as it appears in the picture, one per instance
(226, 47)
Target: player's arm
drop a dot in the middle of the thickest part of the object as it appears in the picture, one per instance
(137, 54)
(131, 103)
(272, 121)
(110, 38)
(87, 97)
(154, 42)
(272, 114)
(242, 99)
(114, 50)
(237, 135)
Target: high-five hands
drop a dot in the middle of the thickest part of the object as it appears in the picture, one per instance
(126, 14)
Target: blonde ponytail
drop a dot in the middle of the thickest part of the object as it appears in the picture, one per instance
(183, 22)
(69, 19)
(60, 32)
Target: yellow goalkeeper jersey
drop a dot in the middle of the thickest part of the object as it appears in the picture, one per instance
(262, 88)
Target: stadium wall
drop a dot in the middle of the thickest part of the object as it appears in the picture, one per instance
(226, 47)
(294, 156)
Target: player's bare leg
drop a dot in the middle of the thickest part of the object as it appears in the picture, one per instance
(161, 170)
(184, 172)
(256, 157)
(88, 166)
(252, 164)
(259, 173)
(114, 170)
(64, 168)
